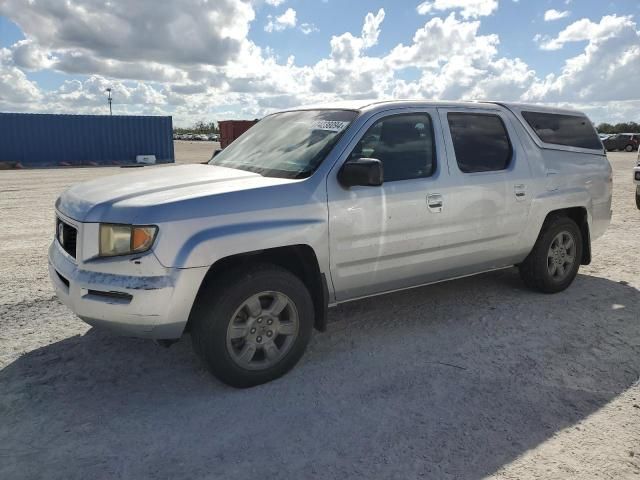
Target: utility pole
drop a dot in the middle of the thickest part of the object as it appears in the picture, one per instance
(108, 90)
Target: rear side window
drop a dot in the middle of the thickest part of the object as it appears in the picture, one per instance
(480, 142)
(569, 130)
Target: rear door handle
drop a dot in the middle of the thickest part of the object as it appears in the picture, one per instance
(435, 202)
(520, 190)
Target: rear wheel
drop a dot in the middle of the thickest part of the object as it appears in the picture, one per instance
(555, 259)
(256, 328)
(628, 148)
(638, 199)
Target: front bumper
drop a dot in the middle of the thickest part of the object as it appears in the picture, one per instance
(131, 304)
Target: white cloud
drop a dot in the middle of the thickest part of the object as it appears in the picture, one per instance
(348, 73)
(371, 28)
(287, 20)
(468, 8)
(457, 63)
(347, 47)
(553, 14)
(28, 55)
(584, 29)
(308, 28)
(123, 31)
(439, 40)
(16, 91)
(91, 93)
(603, 71)
(447, 57)
(612, 112)
(275, 3)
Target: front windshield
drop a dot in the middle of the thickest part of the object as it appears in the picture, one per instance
(288, 144)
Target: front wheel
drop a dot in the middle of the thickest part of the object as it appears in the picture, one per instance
(553, 263)
(638, 199)
(628, 148)
(254, 329)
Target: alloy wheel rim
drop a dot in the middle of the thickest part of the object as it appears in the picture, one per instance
(561, 256)
(262, 330)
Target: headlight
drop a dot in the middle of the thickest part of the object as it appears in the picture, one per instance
(118, 239)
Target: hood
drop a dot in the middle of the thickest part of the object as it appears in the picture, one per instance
(119, 197)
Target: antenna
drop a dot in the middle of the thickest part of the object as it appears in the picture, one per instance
(109, 99)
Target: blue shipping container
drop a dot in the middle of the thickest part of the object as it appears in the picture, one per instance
(41, 140)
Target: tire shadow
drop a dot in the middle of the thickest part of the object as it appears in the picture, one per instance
(453, 380)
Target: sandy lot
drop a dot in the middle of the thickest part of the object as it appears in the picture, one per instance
(468, 379)
(194, 152)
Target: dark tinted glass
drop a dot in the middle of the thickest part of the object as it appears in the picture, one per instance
(569, 130)
(480, 141)
(288, 144)
(403, 143)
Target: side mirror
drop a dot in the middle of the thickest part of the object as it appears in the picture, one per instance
(367, 172)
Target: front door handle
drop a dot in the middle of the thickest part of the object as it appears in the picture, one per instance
(520, 190)
(435, 202)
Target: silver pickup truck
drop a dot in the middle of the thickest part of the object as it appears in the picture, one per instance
(321, 205)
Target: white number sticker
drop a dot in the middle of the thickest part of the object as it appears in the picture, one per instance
(330, 125)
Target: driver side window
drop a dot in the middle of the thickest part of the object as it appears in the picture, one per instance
(403, 143)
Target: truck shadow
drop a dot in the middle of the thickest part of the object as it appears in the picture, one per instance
(454, 380)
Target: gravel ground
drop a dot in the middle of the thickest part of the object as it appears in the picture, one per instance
(468, 379)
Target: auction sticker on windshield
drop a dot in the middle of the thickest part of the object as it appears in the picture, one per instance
(330, 125)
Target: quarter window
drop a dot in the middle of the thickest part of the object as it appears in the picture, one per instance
(480, 142)
(403, 143)
(569, 130)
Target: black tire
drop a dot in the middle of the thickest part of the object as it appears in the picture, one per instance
(628, 148)
(534, 271)
(218, 302)
(638, 199)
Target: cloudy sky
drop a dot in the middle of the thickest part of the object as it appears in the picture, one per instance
(219, 59)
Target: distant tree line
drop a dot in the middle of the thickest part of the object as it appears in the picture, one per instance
(199, 127)
(625, 127)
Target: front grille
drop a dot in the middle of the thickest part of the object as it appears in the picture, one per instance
(67, 237)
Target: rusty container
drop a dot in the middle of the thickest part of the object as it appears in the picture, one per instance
(232, 129)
